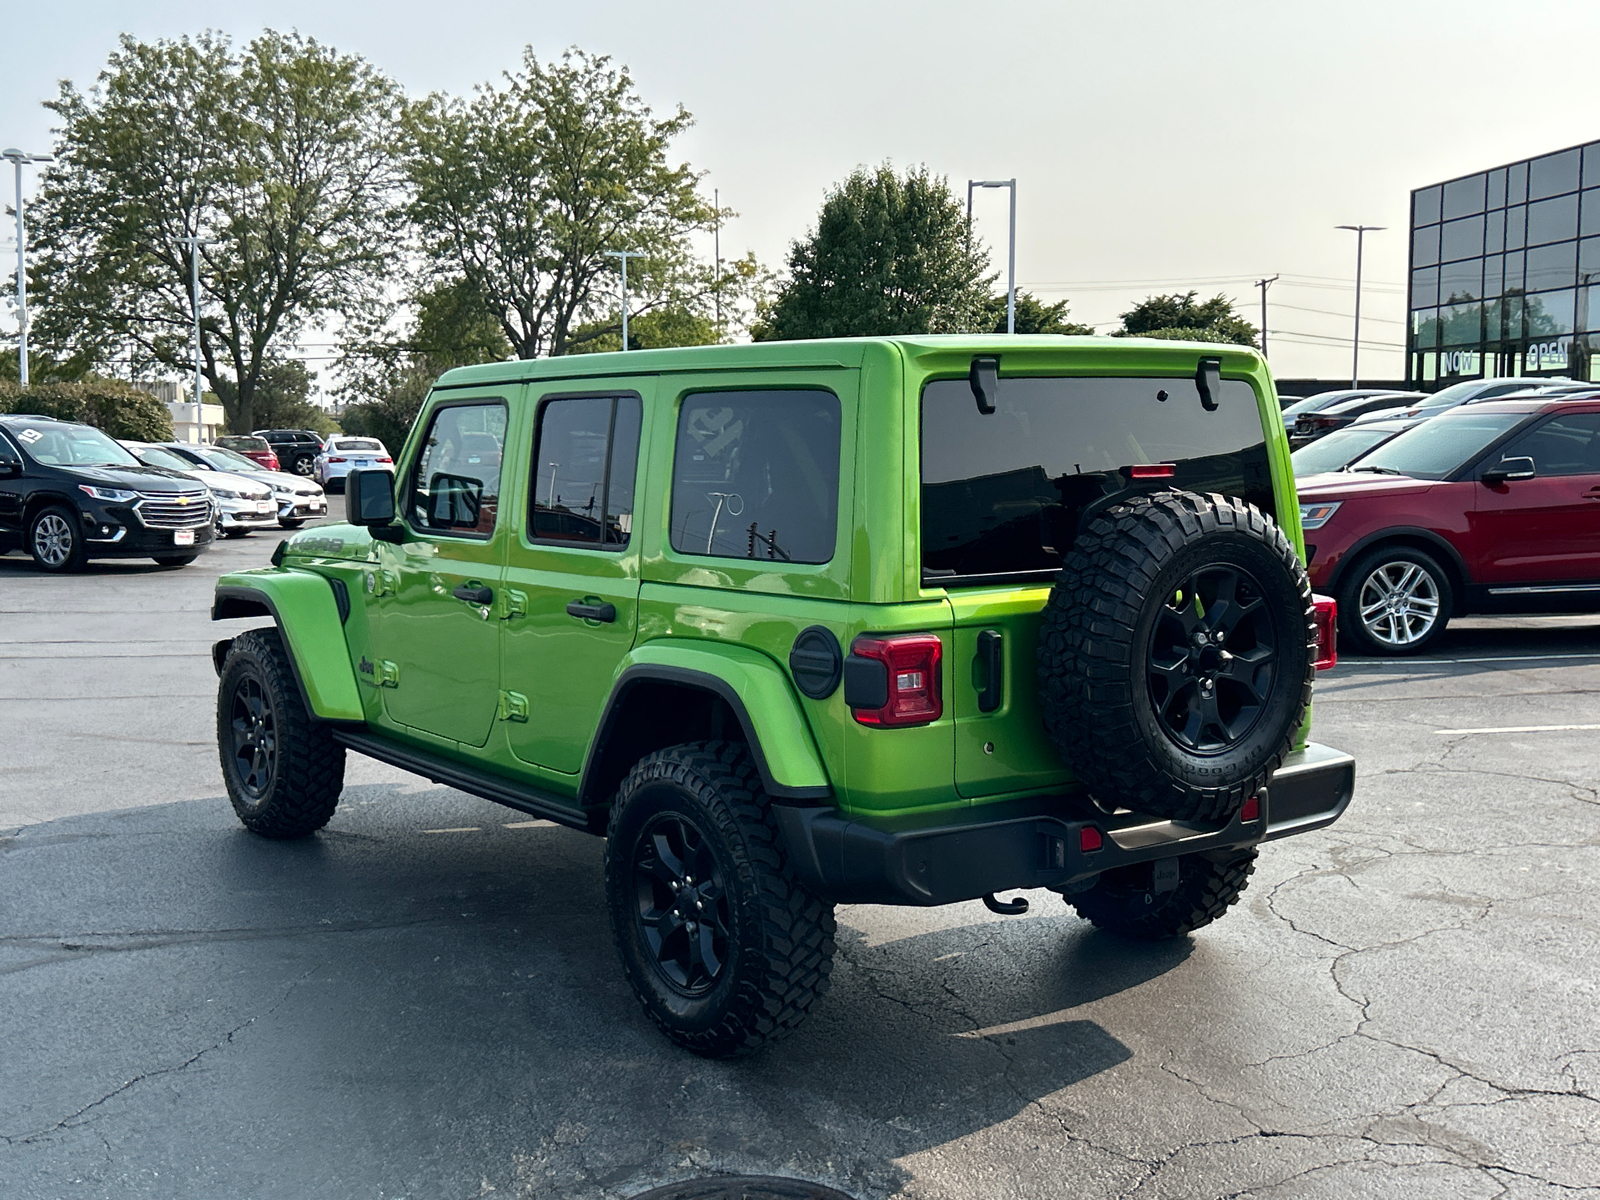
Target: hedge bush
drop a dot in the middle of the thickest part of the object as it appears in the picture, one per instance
(117, 408)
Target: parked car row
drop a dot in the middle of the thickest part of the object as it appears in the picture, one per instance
(1316, 416)
(69, 492)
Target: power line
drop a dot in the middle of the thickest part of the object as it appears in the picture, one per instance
(1328, 312)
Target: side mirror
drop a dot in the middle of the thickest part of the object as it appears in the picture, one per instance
(9, 467)
(369, 498)
(1509, 470)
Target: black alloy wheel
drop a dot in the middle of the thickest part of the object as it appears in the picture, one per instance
(682, 903)
(254, 740)
(304, 466)
(1212, 654)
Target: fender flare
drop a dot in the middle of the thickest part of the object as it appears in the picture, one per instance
(757, 691)
(1449, 553)
(313, 633)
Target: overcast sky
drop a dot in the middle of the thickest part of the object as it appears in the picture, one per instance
(1157, 146)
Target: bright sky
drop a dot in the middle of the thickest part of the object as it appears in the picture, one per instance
(1158, 146)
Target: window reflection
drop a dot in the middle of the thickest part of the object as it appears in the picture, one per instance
(1591, 165)
(1464, 196)
(1461, 280)
(1497, 188)
(1552, 266)
(1516, 226)
(1590, 220)
(1550, 314)
(1425, 287)
(1552, 220)
(1425, 246)
(1425, 206)
(1461, 238)
(1553, 174)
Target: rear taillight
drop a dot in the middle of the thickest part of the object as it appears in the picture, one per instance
(1152, 470)
(384, 458)
(1327, 622)
(894, 681)
(336, 460)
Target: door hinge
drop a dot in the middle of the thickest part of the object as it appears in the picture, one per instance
(382, 673)
(516, 603)
(382, 583)
(513, 706)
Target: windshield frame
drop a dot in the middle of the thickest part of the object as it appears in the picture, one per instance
(1466, 467)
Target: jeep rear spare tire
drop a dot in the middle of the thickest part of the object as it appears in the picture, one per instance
(1176, 655)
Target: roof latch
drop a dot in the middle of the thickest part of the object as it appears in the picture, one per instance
(1208, 379)
(985, 380)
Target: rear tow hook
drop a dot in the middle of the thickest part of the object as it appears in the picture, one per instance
(1006, 908)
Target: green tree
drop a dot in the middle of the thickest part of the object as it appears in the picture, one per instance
(521, 191)
(283, 399)
(1181, 318)
(284, 155)
(112, 405)
(889, 254)
(1033, 316)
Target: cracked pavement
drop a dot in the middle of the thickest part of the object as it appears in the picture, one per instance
(1402, 1005)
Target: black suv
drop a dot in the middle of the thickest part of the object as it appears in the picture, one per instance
(70, 493)
(297, 449)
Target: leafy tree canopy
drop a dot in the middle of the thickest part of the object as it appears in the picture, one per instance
(1034, 316)
(521, 191)
(118, 408)
(890, 254)
(1178, 317)
(283, 156)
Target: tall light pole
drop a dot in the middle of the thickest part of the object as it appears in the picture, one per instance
(1011, 254)
(624, 255)
(1355, 345)
(17, 158)
(194, 244)
(1264, 284)
(716, 251)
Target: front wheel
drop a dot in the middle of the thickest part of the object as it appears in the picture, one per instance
(56, 540)
(724, 947)
(283, 771)
(1151, 901)
(1396, 600)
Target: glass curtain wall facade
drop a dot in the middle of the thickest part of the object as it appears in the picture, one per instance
(1505, 272)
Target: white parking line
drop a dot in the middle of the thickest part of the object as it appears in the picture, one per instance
(1514, 729)
(531, 825)
(463, 829)
(1439, 662)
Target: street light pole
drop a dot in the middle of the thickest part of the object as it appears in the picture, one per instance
(194, 244)
(624, 255)
(17, 158)
(1355, 347)
(1011, 254)
(1264, 284)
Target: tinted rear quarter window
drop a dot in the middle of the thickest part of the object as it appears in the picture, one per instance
(756, 475)
(1002, 494)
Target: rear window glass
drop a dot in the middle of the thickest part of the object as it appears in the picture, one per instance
(756, 475)
(359, 444)
(1002, 493)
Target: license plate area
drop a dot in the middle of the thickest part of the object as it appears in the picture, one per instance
(183, 537)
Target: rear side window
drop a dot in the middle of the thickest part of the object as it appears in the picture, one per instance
(455, 487)
(1564, 445)
(1002, 493)
(756, 475)
(585, 459)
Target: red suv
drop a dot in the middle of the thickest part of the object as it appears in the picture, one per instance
(1487, 508)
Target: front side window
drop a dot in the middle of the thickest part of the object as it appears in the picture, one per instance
(1565, 445)
(1002, 492)
(755, 475)
(585, 457)
(454, 489)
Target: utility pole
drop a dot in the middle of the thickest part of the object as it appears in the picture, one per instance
(1264, 284)
(1011, 254)
(17, 158)
(716, 203)
(624, 255)
(194, 243)
(1355, 347)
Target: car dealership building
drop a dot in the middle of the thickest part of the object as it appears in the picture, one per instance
(1505, 272)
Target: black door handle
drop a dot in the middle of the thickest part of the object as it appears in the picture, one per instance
(473, 593)
(990, 645)
(592, 612)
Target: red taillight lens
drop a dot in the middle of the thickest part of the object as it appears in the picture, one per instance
(1089, 839)
(385, 458)
(1327, 621)
(911, 663)
(272, 462)
(336, 460)
(1152, 470)
(1251, 809)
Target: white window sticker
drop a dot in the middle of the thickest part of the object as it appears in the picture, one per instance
(30, 435)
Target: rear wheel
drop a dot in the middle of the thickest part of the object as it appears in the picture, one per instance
(1395, 600)
(283, 771)
(1150, 901)
(55, 539)
(304, 466)
(724, 947)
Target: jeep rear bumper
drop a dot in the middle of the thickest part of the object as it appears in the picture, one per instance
(940, 858)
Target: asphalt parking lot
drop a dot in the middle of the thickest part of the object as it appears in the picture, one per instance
(423, 1000)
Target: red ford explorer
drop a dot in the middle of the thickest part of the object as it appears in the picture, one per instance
(1487, 508)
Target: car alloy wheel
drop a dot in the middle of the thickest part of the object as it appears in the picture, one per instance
(304, 466)
(1212, 655)
(681, 903)
(1399, 603)
(254, 731)
(52, 540)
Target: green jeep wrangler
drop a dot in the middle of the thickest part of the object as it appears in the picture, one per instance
(891, 621)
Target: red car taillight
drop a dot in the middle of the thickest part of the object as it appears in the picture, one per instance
(384, 458)
(1327, 621)
(336, 460)
(894, 681)
(271, 462)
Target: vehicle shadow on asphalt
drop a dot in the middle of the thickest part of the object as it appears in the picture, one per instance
(470, 976)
